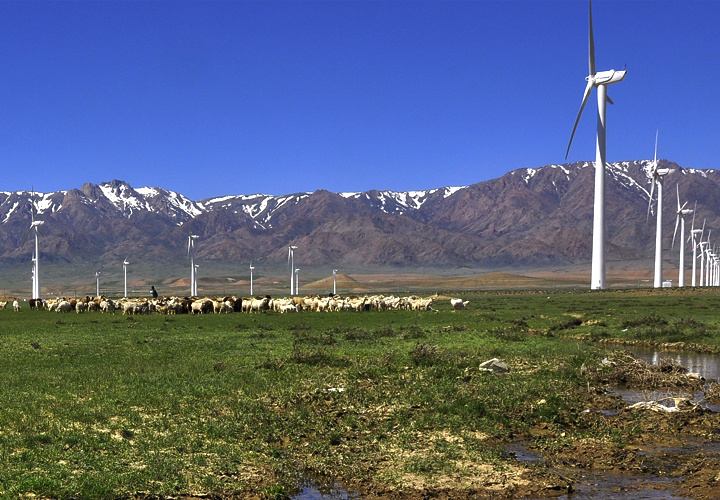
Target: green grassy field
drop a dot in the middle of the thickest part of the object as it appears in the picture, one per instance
(98, 406)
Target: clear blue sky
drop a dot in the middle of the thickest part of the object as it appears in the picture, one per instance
(240, 97)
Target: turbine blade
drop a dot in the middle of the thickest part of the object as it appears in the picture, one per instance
(588, 90)
(655, 160)
(677, 187)
(607, 98)
(26, 236)
(694, 211)
(591, 44)
(652, 192)
(677, 221)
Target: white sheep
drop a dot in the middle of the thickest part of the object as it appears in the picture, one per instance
(16, 305)
(458, 304)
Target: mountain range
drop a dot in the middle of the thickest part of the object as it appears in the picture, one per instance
(530, 217)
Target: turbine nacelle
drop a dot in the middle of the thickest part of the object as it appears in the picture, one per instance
(662, 172)
(606, 77)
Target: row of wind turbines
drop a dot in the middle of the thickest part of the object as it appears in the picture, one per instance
(36, 292)
(701, 249)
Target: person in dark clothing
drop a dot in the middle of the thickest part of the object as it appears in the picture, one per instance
(153, 292)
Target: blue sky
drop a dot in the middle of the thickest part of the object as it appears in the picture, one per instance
(240, 97)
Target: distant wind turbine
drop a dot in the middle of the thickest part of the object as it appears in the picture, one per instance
(334, 281)
(599, 80)
(680, 218)
(702, 246)
(191, 253)
(657, 179)
(97, 283)
(251, 279)
(706, 257)
(297, 281)
(125, 264)
(35, 228)
(291, 261)
(693, 234)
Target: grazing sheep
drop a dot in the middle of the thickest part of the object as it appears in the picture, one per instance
(3, 305)
(80, 307)
(107, 306)
(63, 306)
(16, 305)
(458, 304)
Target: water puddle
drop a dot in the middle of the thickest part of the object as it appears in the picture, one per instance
(312, 490)
(613, 486)
(706, 365)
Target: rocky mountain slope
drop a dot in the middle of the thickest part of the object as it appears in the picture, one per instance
(528, 217)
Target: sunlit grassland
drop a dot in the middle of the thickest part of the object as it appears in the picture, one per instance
(95, 406)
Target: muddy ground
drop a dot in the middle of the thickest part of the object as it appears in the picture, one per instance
(642, 447)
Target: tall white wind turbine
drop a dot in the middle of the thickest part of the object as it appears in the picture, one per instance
(334, 281)
(657, 175)
(291, 261)
(600, 81)
(297, 281)
(695, 237)
(680, 218)
(97, 283)
(125, 264)
(191, 253)
(35, 228)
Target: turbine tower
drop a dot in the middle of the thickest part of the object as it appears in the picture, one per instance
(195, 275)
(704, 280)
(693, 233)
(657, 179)
(297, 282)
(191, 253)
(97, 283)
(291, 261)
(680, 218)
(35, 228)
(251, 279)
(334, 281)
(125, 264)
(600, 80)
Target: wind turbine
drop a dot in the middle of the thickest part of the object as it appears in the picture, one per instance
(702, 246)
(191, 253)
(97, 283)
(35, 228)
(195, 276)
(657, 179)
(705, 280)
(297, 282)
(693, 233)
(291, 261)
(600, 80)
(125, 264)
(334, 281)
(251, 279)
(681, 213)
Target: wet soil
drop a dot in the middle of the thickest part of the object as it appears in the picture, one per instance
(606, 449)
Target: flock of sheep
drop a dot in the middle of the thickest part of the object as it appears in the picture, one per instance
(192, 305)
